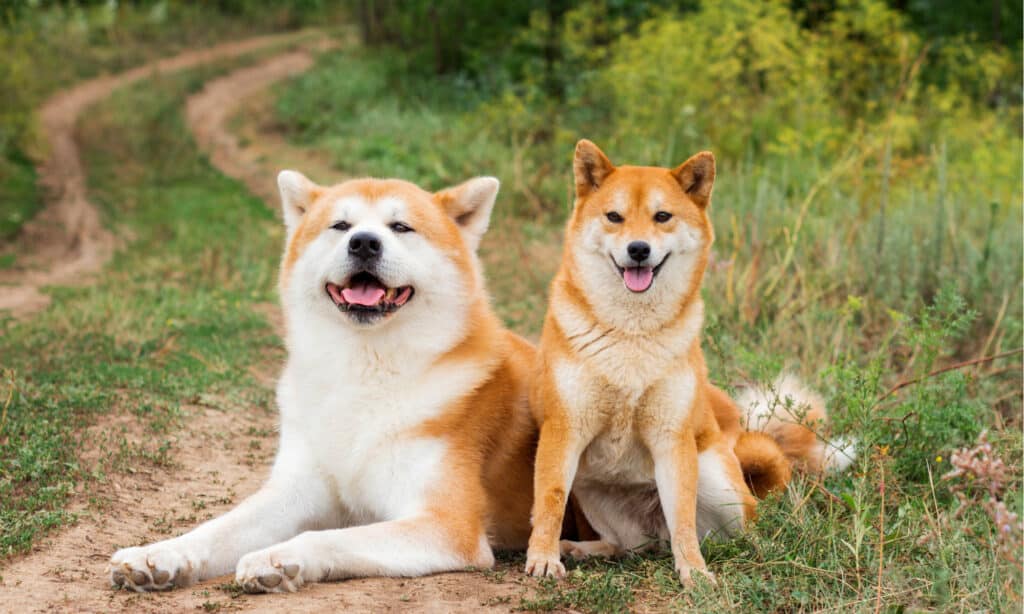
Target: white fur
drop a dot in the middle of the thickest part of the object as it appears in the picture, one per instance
(597, 253)
(786, 401)
(296, 194)
(627, 389)
(719, 506)
(478, 195)
(632, 362)
(350, 459)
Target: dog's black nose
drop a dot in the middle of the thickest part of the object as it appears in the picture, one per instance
(365, 246)
(639, 250)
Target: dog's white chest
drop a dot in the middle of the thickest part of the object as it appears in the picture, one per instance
(633, 365)
(621, 421)
(362, 438)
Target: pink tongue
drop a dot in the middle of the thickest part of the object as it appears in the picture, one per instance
(367, 295)
(404, 296)
(638, 278)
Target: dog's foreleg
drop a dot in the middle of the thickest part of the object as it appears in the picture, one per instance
(558, 456)
(675, 472)
(411, 547)
(290, 501)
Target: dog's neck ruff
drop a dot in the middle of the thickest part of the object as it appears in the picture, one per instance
(582, 326)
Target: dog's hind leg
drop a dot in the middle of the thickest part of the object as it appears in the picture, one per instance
(724, 502)
(627, 518)
(581, 550)
(411, 547)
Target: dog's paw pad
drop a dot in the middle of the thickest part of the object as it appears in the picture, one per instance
(150, 568)
(270, 580)
(140, 578)
(263, 572)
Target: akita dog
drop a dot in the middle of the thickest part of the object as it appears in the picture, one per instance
(629, 421)
(406, 444)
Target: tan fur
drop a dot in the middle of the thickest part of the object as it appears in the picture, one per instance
(640, 431)
(622, 391)
(795, 418)
(765, 467)
(490, 434)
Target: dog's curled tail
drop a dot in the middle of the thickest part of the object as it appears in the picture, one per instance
(794, 416)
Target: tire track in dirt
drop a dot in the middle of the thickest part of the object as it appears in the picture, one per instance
(66, 242)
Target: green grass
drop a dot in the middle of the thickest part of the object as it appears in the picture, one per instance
(19, 196)
(811, 276)
(49, 48)
(169, 323)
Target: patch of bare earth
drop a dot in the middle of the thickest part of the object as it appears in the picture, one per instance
(221, 454)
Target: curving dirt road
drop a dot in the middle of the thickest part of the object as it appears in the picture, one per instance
(67, 241)
(265, 151)
(223, 452)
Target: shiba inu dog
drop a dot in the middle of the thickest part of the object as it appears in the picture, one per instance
(629, 421)
(406, 444)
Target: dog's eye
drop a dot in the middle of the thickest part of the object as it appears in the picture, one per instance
(614, 217)
(400, 227)
(662, 216)
(342, 226)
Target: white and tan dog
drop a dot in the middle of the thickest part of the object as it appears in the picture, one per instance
(406, 444)
(629, 419)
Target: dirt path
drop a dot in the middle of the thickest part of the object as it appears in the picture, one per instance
(222, 453)
(256, 155)
(66, 243)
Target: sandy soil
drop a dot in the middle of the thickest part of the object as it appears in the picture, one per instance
(223, 452)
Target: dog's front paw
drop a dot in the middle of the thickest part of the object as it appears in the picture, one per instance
(272, 570)
(688, 575)
(544, 564)
(156, 567)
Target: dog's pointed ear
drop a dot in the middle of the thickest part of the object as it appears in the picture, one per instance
(697, 177)
(297, 194)
(590, 167)
(470, 204)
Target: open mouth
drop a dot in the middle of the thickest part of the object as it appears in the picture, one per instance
(639, 278)
(365, 298)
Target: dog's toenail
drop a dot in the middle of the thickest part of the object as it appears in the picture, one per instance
(270, 580)
(291, 570)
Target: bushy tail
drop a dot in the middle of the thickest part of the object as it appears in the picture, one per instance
(765, 468)
(794, 416)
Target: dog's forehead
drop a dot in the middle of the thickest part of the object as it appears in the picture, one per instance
(380, 198)
(637, 187)
(354, 207)
(632, 197)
